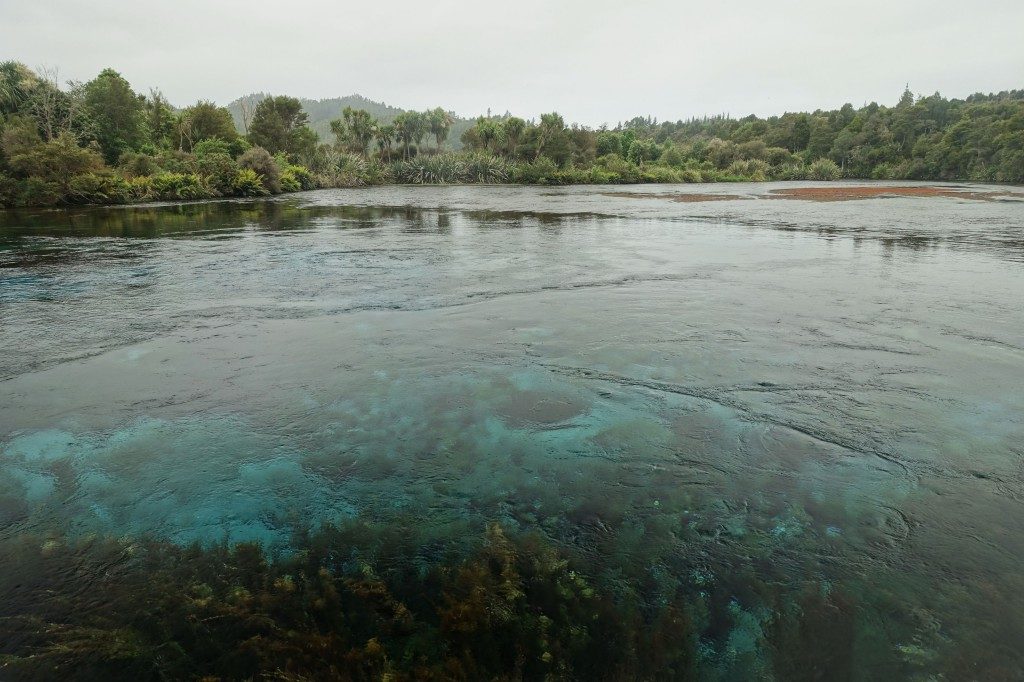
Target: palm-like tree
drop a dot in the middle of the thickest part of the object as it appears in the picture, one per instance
(360, 125)
(384, 136)
(440, 123)
(487, 131)
(405, 130)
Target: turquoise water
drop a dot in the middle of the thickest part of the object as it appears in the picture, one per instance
(733, 400)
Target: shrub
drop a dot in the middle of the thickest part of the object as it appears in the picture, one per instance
(213, 145)
(486, 169)
(8, 190)
(377, 173)
(134, 164)
(248, 183)
(95, 188)
(219, 171)
(540, 172)
(690, 175)
(177, 161)
(171, 186)
(755, 170)
(824, 169)
(36, 191)
(289, 183)
(260, 161)
(293, 176)
(57, 161)
(792, 171)
(140, 189)
(672, 156)
(619, 169)
(573, 175)
(659, 174)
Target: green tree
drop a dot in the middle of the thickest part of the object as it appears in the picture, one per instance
(160, 120)
(205, 121)
(355, 130)
(609, 142)
(16, 84)
(409, 127)
(117, 114)
(514, 128)
(440, 123)
(384, 135)
(550, 128)
(279, 125)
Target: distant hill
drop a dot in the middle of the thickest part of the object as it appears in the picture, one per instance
(323, 111)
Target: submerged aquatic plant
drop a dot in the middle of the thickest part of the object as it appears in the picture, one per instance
(353, 604)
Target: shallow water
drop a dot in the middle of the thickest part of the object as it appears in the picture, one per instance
(702, 393)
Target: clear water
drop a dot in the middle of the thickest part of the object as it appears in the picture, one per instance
(703, 393)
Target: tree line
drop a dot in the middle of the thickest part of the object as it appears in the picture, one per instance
(102, 142)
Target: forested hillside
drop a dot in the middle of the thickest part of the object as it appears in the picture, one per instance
(322, 111)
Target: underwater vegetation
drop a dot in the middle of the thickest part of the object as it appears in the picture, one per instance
(367, 601)
(358, 603)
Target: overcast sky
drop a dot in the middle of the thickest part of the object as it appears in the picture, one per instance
(593, 61)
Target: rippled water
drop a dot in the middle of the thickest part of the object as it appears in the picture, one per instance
(705, 393)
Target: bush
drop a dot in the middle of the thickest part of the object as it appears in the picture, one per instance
(377, 173)
(673, 157)
(177, 161)
(94, 188)
(304, 176)
(8, 190)
(792, 171)
(36, 191)
(755, 170)
(824, 169)
(662, 174)
(248, 183)
(619, 169)
(260, 161)
(289, 183)
(540, 172)
(133, 164)
(690, 175)
(57, 161)
(140, 189)
(485, 168)
(213, 145)
(171, 186)
(294, 178)
(219, 171)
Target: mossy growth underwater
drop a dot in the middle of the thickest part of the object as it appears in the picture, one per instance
(370, 601)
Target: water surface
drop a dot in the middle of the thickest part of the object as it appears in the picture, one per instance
(735, 401)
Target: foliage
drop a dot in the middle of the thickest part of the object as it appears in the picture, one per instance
(263, 164)
(174, 186)
(247, 183)
(205, 121)
(352, 605)
(279, 125)
(219, 171)
(824, 169)
(58, 161)
(116, 112)
(50, 135)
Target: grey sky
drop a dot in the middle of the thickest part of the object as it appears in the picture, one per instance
(593, 61)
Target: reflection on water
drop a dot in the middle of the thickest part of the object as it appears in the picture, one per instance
(761, 438)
